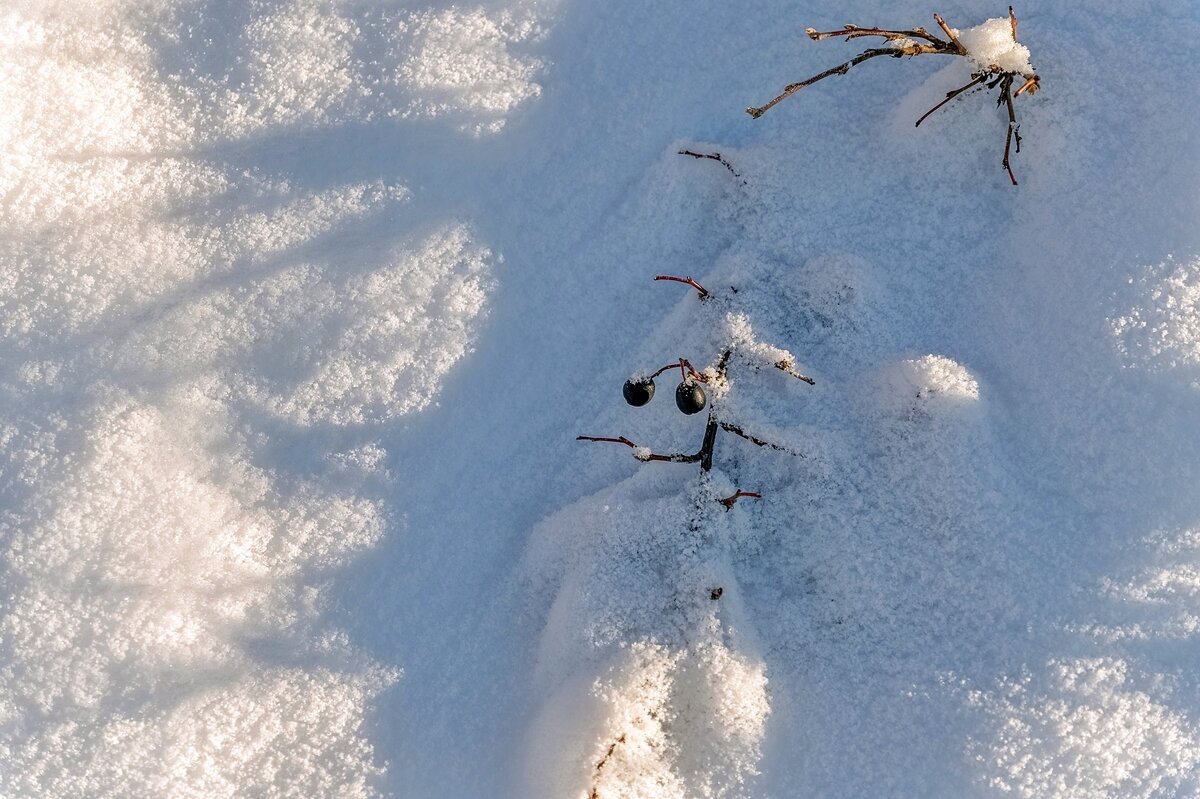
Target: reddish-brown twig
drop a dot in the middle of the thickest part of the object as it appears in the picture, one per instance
(688, 280)
(712, 157)
(685, 368)
(729, 502)
(676, 457)
(1031, 85)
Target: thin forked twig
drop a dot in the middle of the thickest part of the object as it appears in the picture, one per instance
(737, 431)
(857, 32)
(951, 95)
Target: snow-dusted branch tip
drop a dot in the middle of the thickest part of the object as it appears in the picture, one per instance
(997, 58)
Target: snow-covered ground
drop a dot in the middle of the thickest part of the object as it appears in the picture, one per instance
(303, 303)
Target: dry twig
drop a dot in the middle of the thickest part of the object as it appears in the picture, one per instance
(919, 41)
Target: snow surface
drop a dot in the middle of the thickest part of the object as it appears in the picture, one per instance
(303, 303)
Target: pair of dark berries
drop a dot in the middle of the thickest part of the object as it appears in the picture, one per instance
(689, 396)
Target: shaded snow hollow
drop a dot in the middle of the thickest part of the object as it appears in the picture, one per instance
(303, 303)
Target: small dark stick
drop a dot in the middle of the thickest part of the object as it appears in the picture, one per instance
(715, 593)
(758, 442)
(712, 157)
(1013, 127)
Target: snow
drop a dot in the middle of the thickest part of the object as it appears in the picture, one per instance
(992, 48)
(304, 302)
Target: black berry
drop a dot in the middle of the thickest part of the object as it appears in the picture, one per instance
(690, 398)
(638, 392)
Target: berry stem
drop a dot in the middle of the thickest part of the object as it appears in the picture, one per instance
(682, 364)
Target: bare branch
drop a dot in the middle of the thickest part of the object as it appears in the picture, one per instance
(688, 280)
(840, 69)
(951, 95)
(1012, 21)
(856, 32)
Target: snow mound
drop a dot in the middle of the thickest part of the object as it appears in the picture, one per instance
(1161, 332)
(992, 48)
(1085, 729)
(928, 387)
(654, 688)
